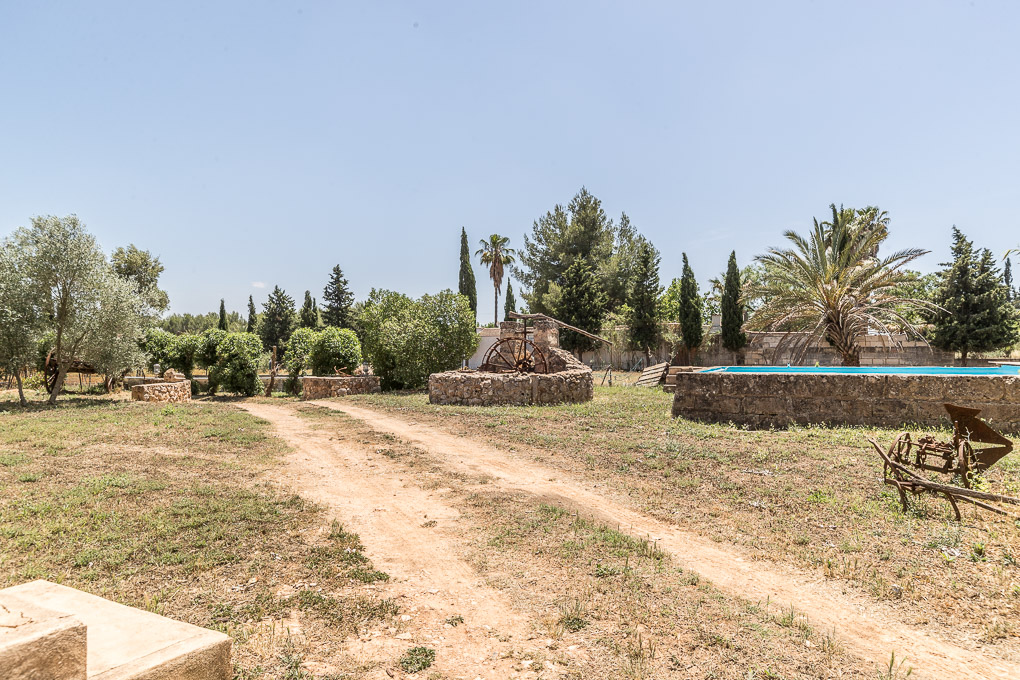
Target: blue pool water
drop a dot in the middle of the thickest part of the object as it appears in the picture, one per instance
(871, 370)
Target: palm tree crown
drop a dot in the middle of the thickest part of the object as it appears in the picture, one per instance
(495, 253)
(832, 285)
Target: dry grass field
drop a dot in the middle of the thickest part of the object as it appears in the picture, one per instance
(167, 508)
(329, 547)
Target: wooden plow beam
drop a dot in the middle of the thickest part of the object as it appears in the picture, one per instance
(526, 317)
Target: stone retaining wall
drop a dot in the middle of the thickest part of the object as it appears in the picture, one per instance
(776, 400)
(172, 392)
(570, 383)
(323, 387)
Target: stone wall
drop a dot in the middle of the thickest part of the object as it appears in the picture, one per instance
(569, 381)
(172, 392)
(763, 400)
(323, 387)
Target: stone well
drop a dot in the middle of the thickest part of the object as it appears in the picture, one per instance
(568, 380)
(173, 388)
(322, 387)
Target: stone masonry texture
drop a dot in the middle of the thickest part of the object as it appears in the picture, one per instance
(776, 400)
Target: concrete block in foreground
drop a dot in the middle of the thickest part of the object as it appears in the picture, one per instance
(125, 643)
(39, 643)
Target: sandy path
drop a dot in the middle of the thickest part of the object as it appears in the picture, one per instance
(865, 629)
(429, 578)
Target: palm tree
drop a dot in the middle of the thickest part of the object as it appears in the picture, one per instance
(494, 252)
(833, 286)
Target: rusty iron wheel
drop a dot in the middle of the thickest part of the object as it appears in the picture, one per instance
(514, 355)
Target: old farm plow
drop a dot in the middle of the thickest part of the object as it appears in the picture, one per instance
(958, 459)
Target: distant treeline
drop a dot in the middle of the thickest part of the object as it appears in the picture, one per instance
(197, 323)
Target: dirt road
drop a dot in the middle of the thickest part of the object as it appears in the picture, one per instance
(411, 534)
(867, 629)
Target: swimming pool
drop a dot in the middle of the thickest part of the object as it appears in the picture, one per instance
(870, 370)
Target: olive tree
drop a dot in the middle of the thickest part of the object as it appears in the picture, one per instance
(112, 344)
(19, 316)
(94, 315)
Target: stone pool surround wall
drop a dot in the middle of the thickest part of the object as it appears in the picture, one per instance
(323, 387)
(761, 400)
(568, 380)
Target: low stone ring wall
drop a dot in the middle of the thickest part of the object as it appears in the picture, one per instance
(323, 387)
(472, 388)
(172, 392)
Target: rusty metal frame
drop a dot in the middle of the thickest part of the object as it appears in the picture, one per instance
(959, 458)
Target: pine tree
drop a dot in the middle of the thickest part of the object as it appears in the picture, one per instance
(733, 338)
(581, 304)
(645, 331)
(223, 326)
(977, 316)
(337, 300)
(509, 304)
(252, 316)
(1007, 278)
(690, 310)
(309, 315)
(277, 320)
(466, 286)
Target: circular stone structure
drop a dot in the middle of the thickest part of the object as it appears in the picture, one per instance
(567, 380)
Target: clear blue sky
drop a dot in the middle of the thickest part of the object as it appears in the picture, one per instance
(264, 142)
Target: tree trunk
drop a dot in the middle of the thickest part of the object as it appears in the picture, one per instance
(648, 357)
(496, 308)
(58, 385)
(963, 357)
(851, 358)
(21, 389)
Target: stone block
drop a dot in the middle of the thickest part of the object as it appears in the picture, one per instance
(125, 643)
(37, 643)
(164, 392)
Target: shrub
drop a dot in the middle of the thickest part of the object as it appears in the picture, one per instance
(208, 347)
(298, 353)
(184, 350)
(159, 348)
(238, 357)
(407, 340)
(335, 349)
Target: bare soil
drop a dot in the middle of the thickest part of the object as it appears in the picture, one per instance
(868, 629)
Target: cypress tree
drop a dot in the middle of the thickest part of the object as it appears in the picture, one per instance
(466, 285)
(309, 315)
(337, 300)
(252, 315)
(1007, 278)
(581, 304)
(223, 316)
(733, 338)
(690, 310)
(977, 315)
(645, 331)
(509, 304)
(277, 320)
